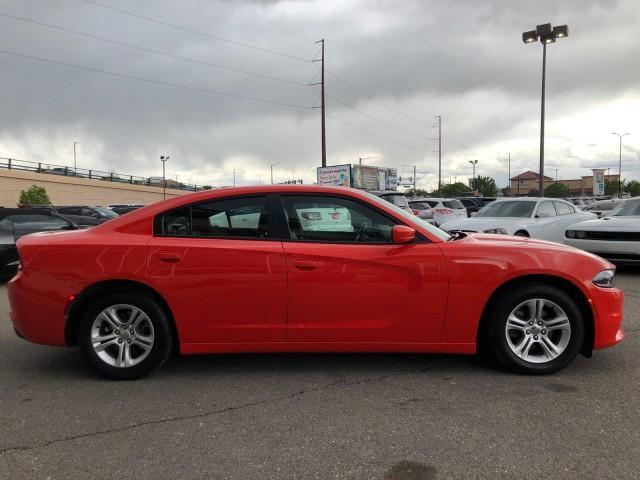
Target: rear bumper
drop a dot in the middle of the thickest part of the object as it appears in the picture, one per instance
(607, 305)
(38, 303)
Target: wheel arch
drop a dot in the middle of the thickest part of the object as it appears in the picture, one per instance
(84, 298)
(566, 285)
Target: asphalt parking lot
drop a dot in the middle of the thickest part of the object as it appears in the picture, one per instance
(399, 417)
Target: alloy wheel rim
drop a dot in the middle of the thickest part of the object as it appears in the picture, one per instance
(538, 330)
(122, 335)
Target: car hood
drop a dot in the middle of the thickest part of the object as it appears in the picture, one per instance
(613, 224)
(507, 242)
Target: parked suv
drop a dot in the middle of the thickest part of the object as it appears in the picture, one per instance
(86, 216)
(423, 208)
(447, 209)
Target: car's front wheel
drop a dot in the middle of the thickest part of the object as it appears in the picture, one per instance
(125, 335)
(537, 329)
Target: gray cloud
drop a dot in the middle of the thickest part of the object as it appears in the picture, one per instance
(463, 60)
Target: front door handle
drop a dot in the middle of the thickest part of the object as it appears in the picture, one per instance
(169, 257)
(305, 264)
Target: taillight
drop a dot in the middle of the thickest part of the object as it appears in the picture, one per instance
(415, 212)
(443, 210)
(335, 215)
(311, 215)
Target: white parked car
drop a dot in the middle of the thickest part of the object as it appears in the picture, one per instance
(615, 237)
(602, 208)
(423, 208)
(543, 218)
(446, 210)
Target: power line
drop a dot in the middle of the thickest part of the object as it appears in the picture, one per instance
(361, 92)
(158, 82)
(374, 134)
(149, 50)
(375, 118)
(190, 30)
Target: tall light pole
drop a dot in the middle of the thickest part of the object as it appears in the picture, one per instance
(546, 34)
(620, 163)
(271, 166)
(163, 159)
(234, 176)
(473, 181)
(75, 168)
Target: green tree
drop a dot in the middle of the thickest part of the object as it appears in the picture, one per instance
(556, 190)
(34, 196)
(452, 190)
(632, 187)
(486, 186)
(612, 187)
(419, 192)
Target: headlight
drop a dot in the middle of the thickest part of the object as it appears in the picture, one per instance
(570, 233)
(581, 234)
(499, 231)
(605, 278)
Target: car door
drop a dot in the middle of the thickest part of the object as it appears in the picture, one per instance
(546, 222)
(220, 266)
(348, 282)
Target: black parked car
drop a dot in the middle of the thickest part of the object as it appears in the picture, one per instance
(122, 209)
(17, 222)
(86, 216)
(472, 204)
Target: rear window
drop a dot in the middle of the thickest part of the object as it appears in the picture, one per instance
(419, 205)
(454, 204)
(432, 203)
(396, 199)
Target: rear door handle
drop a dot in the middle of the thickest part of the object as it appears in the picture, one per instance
(169, 257)
(305, 264)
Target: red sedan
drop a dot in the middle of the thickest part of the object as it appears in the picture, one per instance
(306, 269)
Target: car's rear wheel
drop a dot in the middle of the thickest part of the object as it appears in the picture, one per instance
(125, 335)
(538, 329)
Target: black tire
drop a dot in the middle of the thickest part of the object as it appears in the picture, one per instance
(162, 334)
(497, 335)
(522, 233)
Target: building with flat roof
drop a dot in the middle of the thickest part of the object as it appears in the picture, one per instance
(526, 184)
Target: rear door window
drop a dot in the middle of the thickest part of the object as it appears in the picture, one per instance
(563, 208)
(545, 209)
(453, 204)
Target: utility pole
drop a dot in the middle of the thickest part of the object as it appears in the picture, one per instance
(271, 166)
(439, 117)
(234, 176)
(414, 180)
(473, 182)
(509, 182)
(163, 159)
(75, 167)
(620, 163)
(322, 109)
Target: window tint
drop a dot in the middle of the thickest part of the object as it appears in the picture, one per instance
(87, 212)
(69, 210)
(334, 219)
(36, 220)
(419, 205)
(236, 217)
(454, 204)
(545, 209)
(507, 208)
(563, 209)
(233, 218)
(432, 203)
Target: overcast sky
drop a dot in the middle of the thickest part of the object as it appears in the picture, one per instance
(408, 60)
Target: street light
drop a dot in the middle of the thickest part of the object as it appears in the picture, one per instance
(271, 166)
(370, 157)
(163, 159)
(75, 169)
(473, 180)
(546, 34)
(234, 176)
(620, 163)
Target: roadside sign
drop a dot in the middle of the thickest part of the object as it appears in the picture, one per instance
(337, 175)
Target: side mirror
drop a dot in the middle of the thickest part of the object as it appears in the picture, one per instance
(402, 234)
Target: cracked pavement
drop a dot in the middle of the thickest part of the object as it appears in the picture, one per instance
(292, 416)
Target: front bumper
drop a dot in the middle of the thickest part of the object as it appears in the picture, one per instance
(615, 251)
(607, 306)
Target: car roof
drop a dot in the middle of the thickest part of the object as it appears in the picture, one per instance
(6, 212)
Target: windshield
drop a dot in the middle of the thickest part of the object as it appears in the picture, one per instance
(630, 208)
(106, 212)
(507, 208)
(409, 216)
